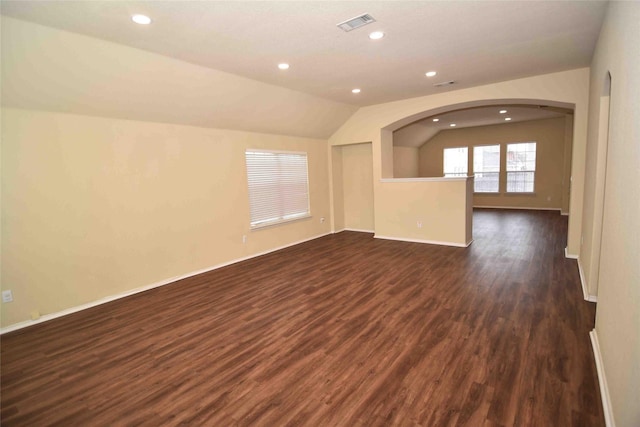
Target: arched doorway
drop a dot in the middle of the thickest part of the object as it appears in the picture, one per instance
(545, 125)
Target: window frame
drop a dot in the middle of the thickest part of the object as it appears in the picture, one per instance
(508, 172)
(455, 174)
(497, 173)
(257, 221)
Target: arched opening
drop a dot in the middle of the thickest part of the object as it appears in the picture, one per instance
(471, 104)
(519, 152)
(377, 123)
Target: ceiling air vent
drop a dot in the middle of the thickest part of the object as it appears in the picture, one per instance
(357, 22)
(443, 84)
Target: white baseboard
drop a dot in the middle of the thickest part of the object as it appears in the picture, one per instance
(430, 242)
(359, 230)
(602, 381)
(517, 207)
(110, 298)
(583, 283)
(568, 255)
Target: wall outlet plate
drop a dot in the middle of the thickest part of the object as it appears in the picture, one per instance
(7, 296)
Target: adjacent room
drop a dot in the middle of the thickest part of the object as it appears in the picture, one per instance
(320, 213)
(519, 155)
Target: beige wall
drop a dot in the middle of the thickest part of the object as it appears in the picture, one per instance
(52, 70)
(550, 137)
(469, 211)
(618, 288)
(93, 207)
(357, 186)
(566, 164)
(431, 211)
(566, 89)
(413, 135)
(405, 162)
(337, 189)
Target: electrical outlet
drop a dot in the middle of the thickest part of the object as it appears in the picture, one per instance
(7, 296)
(419, 224)
(548, 198)
(321, 220)
(244, 238)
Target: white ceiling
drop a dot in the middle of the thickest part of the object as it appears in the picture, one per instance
(47, 69)
(418, 133)
(472, 43)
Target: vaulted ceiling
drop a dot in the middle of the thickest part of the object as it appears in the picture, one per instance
(471, 43)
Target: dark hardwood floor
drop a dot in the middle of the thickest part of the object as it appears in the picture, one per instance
(345, 330)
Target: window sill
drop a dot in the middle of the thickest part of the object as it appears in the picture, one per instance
(279, 222)
(505, 194)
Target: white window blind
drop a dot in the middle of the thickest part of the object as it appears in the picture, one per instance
(486, 168)
(456, 161)
(278, 186)
(521, 167)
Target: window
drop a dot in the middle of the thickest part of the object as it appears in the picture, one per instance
(521, 167)
(486, 168)
(278, 186)
(455, 161)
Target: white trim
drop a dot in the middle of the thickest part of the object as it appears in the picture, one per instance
(429, 242)
(602, 381)
(134, 291)
(564, 213)
(273, 223)
(359, 230)
(263, 150)
(568, 255)
(583, 282)
(524, 208)
(430, 179)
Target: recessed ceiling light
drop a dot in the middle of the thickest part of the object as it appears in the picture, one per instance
(503, 111)
(430, 73)
(141, 19)
(507, 118)
(283, 66)
(376, 35)
(452, 125)
(355, 90)
(436, 120)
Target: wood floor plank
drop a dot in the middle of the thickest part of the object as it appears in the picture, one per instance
(345, 330)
